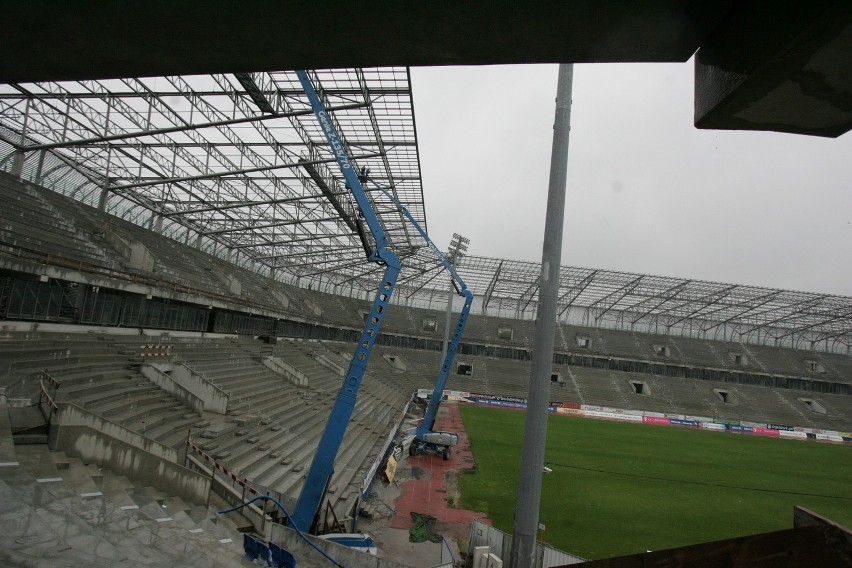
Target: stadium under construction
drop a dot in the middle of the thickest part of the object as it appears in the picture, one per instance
(217, 291)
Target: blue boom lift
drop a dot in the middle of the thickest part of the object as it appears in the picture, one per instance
(378, 251)
(425, 439)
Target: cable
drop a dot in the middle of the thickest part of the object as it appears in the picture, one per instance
(284, 509)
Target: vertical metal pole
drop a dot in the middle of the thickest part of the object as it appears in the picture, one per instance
(535, 431)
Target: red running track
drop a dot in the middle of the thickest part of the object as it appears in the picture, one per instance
(426, 492)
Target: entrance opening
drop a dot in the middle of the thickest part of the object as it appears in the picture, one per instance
(725, 396)
(813, 405)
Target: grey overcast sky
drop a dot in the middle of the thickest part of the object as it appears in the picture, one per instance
(647, 192)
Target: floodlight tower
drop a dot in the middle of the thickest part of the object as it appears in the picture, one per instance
(455, 252)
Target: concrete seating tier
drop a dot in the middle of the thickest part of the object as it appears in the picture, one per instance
(30, 219)
(100, 374)
(604, 387)
(273, 440)
(55, 225)
(59, 511)
(567, 390)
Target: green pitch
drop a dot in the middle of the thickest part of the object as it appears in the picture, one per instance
(620, 488)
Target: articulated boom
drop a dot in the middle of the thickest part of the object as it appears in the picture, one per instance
(425, 438)
(322, 466)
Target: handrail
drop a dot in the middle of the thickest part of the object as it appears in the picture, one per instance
(46, 397)
(50, 379)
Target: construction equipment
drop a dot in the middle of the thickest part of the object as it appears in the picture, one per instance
(376, 246)
(425, 439)
(322, 466)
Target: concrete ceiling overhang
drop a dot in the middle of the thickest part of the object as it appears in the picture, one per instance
(59, 40)
(778, 65)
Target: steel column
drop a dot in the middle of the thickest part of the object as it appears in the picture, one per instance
(535, 430)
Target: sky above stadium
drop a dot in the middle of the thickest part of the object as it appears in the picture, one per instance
(647, 192)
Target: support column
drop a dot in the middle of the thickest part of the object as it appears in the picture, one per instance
(158, 224)
(19, 154)
(102, 201)
(528, 497)
(40, 167)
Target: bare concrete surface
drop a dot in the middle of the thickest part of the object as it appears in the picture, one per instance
(393, 543)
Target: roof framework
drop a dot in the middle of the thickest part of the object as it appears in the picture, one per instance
(667, 305)
(237, 165)
(221, 158)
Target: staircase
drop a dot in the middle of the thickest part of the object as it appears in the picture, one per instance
(58, 511)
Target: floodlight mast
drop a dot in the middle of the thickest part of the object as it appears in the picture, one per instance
(322, 466)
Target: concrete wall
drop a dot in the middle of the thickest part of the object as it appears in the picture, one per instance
(232, 283)
(140, 257)
(214, 398)
(285, 369)
(89, 437)
(324, 360)
(158, 375)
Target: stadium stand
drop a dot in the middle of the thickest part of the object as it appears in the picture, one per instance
(59, 511)
(178, 345)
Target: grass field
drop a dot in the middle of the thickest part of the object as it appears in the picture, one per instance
(620, 488)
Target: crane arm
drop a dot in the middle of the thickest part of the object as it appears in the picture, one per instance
(424, 433)
(322, 465)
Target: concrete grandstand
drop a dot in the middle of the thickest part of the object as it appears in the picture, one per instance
(180, 297)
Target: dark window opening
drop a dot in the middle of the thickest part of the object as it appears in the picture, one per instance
(640, 388)
(813, 405)
(464, 369)
(429, 325)
(583, 341)
(661, 350)
(725, 396)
